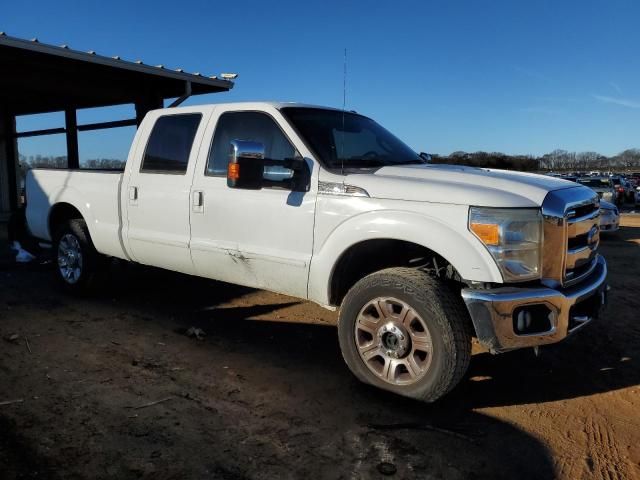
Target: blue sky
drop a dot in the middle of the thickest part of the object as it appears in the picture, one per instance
(512, 76)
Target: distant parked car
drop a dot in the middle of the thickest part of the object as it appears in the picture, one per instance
(630, 189)
(603, 186)
(571, 178)
(609, 217)
(625, 192)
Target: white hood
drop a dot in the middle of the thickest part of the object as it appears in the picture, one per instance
(459, 185)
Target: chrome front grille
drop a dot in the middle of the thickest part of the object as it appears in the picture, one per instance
(583, 237)
(571, 235)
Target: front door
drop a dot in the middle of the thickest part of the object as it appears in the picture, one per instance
(259, 238)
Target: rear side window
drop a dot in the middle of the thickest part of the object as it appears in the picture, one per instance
(170, 144)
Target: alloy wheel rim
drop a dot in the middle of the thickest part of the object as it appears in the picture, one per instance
(69, 258)
(393, 341)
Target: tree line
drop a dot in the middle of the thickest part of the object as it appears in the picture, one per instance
(45, 161)
(558, 160)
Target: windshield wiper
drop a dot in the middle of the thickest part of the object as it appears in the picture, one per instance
(374, 162)
(363, 162)
(411, 162)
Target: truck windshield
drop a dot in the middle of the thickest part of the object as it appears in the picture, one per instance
(348, 139)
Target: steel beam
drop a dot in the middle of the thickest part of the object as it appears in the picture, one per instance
(9, 153)
(39, 133)
(71, 123)
(132, 122)
(187, 93)
(143, 106)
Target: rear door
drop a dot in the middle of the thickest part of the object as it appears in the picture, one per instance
(158, 204)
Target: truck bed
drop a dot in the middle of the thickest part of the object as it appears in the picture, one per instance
(95, 192)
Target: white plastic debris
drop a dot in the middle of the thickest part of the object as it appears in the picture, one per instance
(22, 256)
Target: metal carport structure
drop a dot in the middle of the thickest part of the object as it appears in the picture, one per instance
(40, 78)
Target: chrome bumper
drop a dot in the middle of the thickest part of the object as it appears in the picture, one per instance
(492, 311)
(609, 223)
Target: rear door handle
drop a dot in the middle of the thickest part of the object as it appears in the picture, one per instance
(133, 195)
(197, 203)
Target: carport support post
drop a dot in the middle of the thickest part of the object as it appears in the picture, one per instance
(8, 161)
(71, 125)
(143, 106)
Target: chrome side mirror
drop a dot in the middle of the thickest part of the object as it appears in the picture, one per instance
(246, 165)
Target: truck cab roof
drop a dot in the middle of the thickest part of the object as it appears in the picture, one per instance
(261, 105)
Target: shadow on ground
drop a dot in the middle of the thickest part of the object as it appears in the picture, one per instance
(255, 399)
(262, 399)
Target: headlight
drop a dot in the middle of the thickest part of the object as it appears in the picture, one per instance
(513, 236)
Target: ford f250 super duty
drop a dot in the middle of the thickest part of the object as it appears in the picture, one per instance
(327, 205)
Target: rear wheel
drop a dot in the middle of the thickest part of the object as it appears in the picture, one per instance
(404, 331)
(77, 261)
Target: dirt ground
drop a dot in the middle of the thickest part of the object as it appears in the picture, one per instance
(260, 399)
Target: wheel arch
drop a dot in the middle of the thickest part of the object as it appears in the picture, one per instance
(60, 213)
(389, 237)
(369, 256)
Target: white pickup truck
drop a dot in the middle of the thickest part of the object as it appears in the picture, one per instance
(326, 205)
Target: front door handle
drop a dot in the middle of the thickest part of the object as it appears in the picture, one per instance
(197, 201)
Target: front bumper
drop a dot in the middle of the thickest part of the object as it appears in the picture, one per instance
(497, 313)
(609, 223)
(609, 227)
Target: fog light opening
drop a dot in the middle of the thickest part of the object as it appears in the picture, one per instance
(533, 320)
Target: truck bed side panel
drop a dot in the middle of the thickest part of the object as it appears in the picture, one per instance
(96, 194)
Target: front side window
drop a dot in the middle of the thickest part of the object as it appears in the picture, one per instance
(252, 126)
(170, 144)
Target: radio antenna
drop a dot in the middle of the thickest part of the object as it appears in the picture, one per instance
(344, 108)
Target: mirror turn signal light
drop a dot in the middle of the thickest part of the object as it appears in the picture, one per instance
(233, 171)
(489, 233)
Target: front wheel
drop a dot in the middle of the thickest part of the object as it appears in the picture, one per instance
(77, 261)
(404, 331)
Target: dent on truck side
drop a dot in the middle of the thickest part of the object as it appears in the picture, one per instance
(439, 228)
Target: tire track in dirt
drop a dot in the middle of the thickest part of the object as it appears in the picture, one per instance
(568, 467)
(590, 452)
(605, 460)
(562, 433)
(570, 464)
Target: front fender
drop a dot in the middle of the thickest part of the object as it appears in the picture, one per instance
(444, 232)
